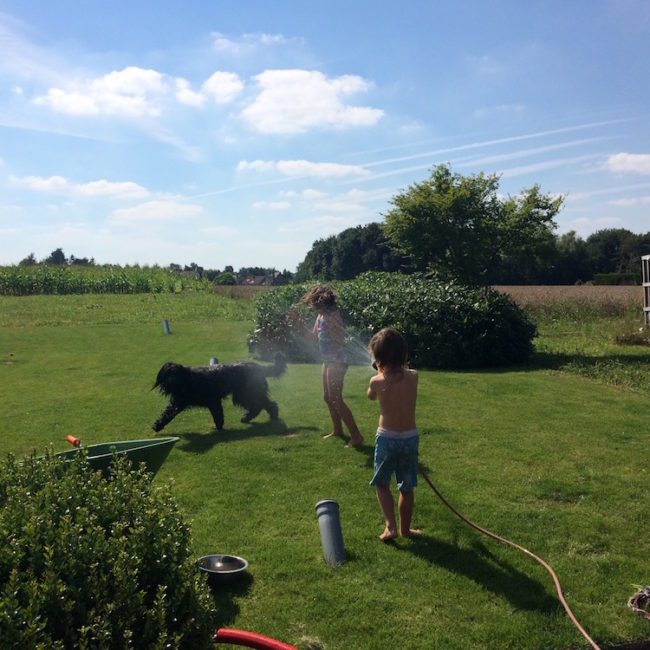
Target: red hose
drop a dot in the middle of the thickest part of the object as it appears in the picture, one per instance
(547, 566)
(249, 640)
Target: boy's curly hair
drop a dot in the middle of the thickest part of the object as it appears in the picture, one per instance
(322, 295)
(389, 349)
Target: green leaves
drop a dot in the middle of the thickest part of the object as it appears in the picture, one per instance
(447, 325)
(460, 227)
(93, 562)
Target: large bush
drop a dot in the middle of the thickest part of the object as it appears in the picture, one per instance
(446, 325)
(89, 562)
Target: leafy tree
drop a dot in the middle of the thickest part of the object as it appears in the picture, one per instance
(317, 264)
(56, 258)
(81, 261)
(225, 278)
(614, 250)
(571, 262)
(30, 260)
(348, 254)
(459, 226)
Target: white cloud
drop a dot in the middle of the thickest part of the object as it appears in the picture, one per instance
(271, 205)
(313, 194)
(629, 162)
(248, 43)
(303, 168)
(102, 187)
(131, 92)
(185, 94)
(631, 202)
(222, 43)
(295, 101)
(124, 190)
(222, 87)
(40, 184)
(157, 211)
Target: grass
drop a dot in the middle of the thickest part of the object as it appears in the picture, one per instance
(549, 456)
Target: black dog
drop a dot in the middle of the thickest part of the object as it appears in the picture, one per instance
(206, 386)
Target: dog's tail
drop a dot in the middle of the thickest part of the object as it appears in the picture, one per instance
(278, 367)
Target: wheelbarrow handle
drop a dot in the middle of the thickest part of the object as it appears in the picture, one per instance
(249, 640)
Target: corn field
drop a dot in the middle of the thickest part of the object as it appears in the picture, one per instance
(60, 280)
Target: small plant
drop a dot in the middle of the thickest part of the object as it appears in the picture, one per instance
(88, 562)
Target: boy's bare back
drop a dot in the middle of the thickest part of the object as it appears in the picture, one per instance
(397, 393)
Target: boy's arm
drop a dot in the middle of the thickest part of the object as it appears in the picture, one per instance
(372, 393)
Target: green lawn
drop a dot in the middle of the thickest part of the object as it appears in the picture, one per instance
(554, 460)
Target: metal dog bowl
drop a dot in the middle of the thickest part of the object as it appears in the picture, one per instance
(222, 568)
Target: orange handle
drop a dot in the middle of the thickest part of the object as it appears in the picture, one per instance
(75, 442)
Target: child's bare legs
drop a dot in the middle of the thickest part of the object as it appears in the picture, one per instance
(385, 498)
(339, 411)
(337, 431)
(405, 509)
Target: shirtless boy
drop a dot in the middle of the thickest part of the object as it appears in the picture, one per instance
(396, 443)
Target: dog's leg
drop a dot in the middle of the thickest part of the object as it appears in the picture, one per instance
(272, 409)
(172, 410)
(217, 414)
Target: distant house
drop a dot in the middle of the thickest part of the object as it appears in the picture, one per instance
(270, 279)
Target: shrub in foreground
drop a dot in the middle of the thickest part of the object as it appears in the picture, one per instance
(89, 562)
(447, 325)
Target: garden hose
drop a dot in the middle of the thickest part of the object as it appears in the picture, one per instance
(503, 540)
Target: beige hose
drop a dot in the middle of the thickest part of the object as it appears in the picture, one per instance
(546, 565)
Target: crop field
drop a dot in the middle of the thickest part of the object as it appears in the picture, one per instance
(553, 456)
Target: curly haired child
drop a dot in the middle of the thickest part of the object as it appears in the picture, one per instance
(328, 329)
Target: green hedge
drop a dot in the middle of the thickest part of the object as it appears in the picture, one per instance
(88, 562)
(446, 325)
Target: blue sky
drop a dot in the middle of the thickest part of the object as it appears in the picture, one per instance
(239, 132)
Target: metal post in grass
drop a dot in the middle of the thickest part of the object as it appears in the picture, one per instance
(331, 536)
(166, 328)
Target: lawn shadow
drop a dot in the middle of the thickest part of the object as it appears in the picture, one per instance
(223, 596)
(199, 443)
(481, 566)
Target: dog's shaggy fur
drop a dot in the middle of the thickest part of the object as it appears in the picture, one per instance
(206, 386)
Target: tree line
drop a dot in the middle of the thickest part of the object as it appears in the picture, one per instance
(226, 276)
(453, 227)
(459, 227)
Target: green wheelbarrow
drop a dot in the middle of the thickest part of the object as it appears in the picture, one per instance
(151, 453)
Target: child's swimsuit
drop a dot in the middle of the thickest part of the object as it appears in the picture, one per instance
(396, 452)
(330, 351)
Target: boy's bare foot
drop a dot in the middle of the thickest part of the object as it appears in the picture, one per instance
(355, 442)
(333, 435)
(388, 535)
(412, 532)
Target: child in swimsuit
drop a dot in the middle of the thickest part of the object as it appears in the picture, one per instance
(328, 329)
(396, 443)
